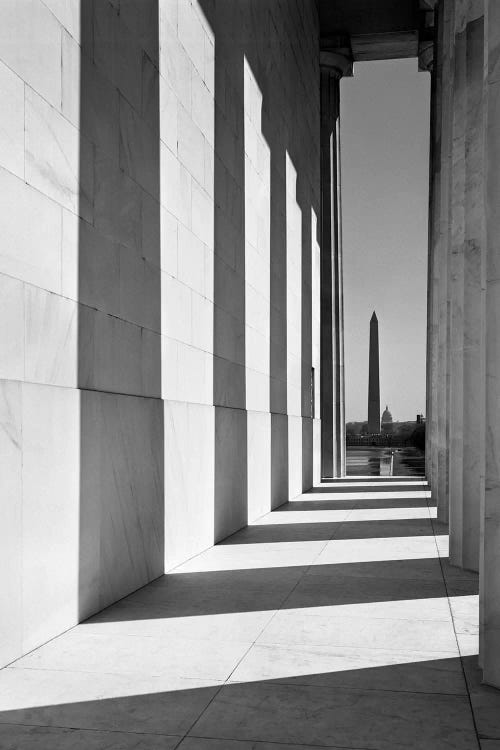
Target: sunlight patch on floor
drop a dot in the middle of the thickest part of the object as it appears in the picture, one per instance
(304, 607)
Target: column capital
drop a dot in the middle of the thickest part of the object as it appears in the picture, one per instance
(338, 61)
(426, 36)
(426, 56)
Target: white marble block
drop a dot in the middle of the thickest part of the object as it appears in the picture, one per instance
(30, 44)
(59, 161)
(295, 470)
(231, 489)
(12, 122)
(11, 527)
(51, 511)
(189, 480)
(122, 492)
(259, 464)
(51, 338)
(30, 227)
(12, 328)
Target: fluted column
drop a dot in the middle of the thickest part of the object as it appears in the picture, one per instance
(456, 284)
(474, 295)
(442, 244)
(333, 67)
(467, 390)
(490, 553)
(431, 60)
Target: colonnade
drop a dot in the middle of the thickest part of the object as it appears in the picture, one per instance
(334, 65)
(463, 371)
(463, 409)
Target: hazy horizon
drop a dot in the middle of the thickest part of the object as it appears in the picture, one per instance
(385, 160)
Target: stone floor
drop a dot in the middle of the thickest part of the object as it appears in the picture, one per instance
(335, 621)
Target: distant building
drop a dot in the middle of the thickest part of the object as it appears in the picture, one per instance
(387, 424)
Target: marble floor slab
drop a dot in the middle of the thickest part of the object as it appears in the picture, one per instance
(374, 550)
(323, 501)
(465, 613)
(339, 717)
(362, 668)
(381, 495)
(290, 627)
(202, 743)
(17, 737)
(334, 622)
(107, 702)
(125, 618)
(81, 650)
(248, 556)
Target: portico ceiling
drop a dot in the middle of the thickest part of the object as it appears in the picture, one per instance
(376, 29)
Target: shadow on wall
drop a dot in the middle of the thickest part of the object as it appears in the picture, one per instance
(119, 291)
(263, 428)
(229, 362)
(263, 420)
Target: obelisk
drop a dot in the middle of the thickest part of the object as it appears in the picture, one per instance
(373, 380)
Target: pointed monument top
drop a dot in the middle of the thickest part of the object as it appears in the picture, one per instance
(374, 317)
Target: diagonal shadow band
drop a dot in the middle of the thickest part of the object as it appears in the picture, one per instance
(257, 589)
(372, 706)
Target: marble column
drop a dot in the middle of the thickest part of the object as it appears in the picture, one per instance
(446, 38)
(333, 67)
(456, 285)
(430, 60)
(473, 295)
(456, 379)
(490, 564)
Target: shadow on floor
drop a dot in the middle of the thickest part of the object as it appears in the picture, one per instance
(257, 589)
(297, 532)
(382, 486)
(287, 643)
(346, 504)
(377, 707)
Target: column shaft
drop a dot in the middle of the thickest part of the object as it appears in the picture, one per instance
(332, 346)
(456, 286)
(432, 275)
(446, 43)
(464, 289)
(474, 299)
(490, 564)
(339, 338)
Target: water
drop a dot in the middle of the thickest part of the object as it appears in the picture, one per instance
(376, 461)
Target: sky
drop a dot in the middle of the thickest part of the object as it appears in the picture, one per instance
(384, 134)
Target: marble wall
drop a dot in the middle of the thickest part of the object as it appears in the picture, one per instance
(159, 286)
(187, 275)
(80, 288)
(241, 335)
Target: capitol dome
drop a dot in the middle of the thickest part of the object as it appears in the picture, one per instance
(386, 422)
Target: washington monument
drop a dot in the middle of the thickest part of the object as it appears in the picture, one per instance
(373, 380)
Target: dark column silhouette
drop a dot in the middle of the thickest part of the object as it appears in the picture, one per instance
(333, 67)
(373, 380)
